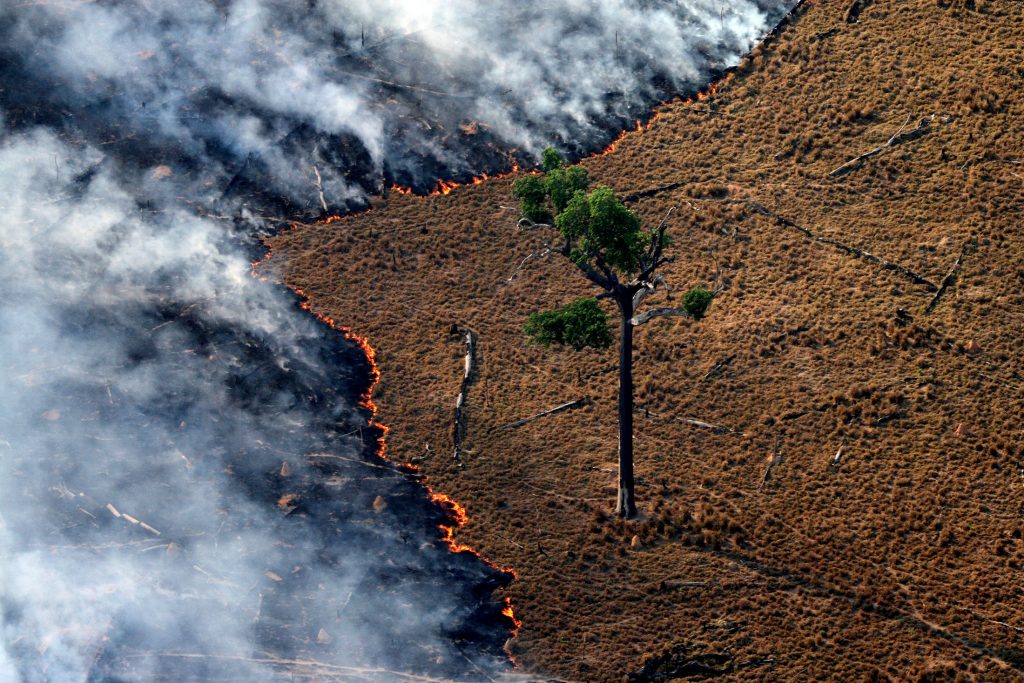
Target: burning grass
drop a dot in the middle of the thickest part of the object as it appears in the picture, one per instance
(901, 559)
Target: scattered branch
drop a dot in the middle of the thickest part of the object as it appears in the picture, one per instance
(899, 137)
(860, 253)
(717, 429)
(557, 409)
(837, 458)
(951, 275)
(525, 224)
(718, 366)
(1018, 629)
(775, 459)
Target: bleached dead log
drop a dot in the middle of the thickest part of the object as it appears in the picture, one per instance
(1018, 629)
(717, 429)
(557, 409)
(525, 224)
(950, 276)
(718, 366)
(900, 136)
(775, 460)
(458, 421)
(320, 188)
(837, 458)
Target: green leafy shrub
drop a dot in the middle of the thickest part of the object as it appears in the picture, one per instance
(696, 301)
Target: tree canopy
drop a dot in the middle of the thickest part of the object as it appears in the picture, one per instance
(581, 324)
(606, 242)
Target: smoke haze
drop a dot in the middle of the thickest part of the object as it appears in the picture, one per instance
(188, 489)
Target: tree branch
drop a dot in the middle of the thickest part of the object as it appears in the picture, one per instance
(657, 238)
(646, 316)
(525, 224)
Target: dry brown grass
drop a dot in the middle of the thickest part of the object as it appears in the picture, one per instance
(881, 569)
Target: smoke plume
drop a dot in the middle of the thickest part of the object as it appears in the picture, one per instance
(188, 485)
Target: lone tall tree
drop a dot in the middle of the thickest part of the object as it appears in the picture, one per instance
(604, 240)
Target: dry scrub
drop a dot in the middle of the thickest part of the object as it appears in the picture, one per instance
(902, 561)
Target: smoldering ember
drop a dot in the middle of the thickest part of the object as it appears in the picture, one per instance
(533, 341)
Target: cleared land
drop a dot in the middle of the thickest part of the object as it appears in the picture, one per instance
(901, 561)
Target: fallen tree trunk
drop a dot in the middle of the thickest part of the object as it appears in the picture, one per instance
(774, 460)
(718, 366)
(860, 253)
(898, 137)
(458, 420)
(557, 409)
(950, 276)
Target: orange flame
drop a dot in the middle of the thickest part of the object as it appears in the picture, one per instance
(510, 613)
(444, 187)
(452, 507)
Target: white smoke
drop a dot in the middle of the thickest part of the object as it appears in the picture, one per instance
(422, 87)
(152, 385)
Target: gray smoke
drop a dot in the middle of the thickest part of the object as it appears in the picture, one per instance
(187, 484)
(261, 91)
(154, 391)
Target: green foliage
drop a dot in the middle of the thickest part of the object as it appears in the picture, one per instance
(696, 301)
(563, 183)
(531, 191)
(581, 324)
(550, 159)
(542, 196)
(604, 228)
(574, 221)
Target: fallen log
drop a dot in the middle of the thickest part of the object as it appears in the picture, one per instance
(860, 253)
(837, 458)
(951, 275)
(458, 420)
(1004, 624)
(557, 409)
(717, 367)
(897, 138)
(774, 460)
(717, 429)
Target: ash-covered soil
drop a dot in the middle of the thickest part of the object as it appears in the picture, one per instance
(885, 542)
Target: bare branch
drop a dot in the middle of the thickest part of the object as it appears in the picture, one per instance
(646, 316)
(648, 288)
(657, 238)
(525, 224)
(458, 420)
(557, 409)
(653, 266)
(522, 264)
(950, 276)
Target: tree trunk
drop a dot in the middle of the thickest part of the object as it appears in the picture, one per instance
(625, 506)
